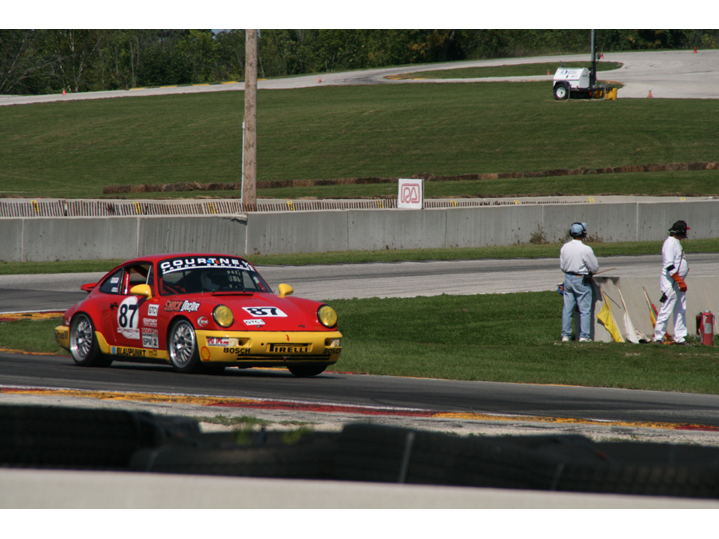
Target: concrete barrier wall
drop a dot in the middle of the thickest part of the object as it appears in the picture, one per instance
(191, 235)
(75, 238)
(703, 295)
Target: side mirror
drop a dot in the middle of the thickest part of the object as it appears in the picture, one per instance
(285, 290)
(88, 287)
(141, 290)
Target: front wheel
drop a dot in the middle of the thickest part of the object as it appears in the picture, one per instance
(182, 347)
(561, 92)
(83, 343)
(303, 371)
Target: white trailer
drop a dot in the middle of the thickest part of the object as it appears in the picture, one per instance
(571, 81)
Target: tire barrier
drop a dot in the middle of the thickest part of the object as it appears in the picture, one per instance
(257, 454)
(79, 438)
(552, 463)
(41, 437)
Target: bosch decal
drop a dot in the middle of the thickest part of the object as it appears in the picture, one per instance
(177, 305)
(149, 322)
(265, 312)
(238, 351)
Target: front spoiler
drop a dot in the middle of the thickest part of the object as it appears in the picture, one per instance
(273, 348)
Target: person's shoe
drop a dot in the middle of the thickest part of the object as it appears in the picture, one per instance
(657, 341)
(681, 342)
(566, 339)
(584, 339)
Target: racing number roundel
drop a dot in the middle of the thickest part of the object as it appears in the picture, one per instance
(128, 318)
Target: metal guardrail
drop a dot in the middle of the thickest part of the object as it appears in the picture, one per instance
(95, 208)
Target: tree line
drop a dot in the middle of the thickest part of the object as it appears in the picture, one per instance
(49, 61)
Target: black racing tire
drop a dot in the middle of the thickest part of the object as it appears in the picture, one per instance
(561, 91)
(84, 347)
(182, 347)
(304, 371)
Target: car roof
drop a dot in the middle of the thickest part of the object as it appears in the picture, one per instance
(157, 257)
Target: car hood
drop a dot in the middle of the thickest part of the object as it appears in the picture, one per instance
(265, 311)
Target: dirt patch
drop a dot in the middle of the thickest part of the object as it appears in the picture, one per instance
(197, 186)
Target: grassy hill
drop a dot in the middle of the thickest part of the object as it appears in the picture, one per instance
(75, 149)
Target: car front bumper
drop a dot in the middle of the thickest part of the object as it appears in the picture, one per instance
(271, 347)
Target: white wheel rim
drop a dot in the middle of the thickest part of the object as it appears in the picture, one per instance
(81, 339)
(182, 344)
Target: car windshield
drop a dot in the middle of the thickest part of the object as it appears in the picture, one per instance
(191, 275)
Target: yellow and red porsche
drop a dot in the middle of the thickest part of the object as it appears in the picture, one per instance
(198, 312)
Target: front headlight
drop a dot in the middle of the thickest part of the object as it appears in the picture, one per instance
(223, 316)
(327, 316)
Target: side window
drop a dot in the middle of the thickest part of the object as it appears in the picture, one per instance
(113, 283)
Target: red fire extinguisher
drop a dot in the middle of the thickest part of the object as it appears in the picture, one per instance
(705, 327)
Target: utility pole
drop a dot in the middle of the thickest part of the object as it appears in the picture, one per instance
(249, 165)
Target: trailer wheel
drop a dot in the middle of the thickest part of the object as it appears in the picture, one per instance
(561, 91)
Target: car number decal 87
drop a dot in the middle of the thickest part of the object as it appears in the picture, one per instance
(128, 318)
(265, 312)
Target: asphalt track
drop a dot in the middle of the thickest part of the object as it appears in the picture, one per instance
(632, 408)
(21, 293)
(667, 74)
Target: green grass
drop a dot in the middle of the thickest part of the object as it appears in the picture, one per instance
(74, 149)
(506, 338)
(501, 338)
(682, 183)
(519, 70)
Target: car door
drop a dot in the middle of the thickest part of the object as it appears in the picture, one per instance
(135, 319)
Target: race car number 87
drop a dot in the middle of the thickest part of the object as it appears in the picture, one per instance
(127, 314)
(123, 320)
(265, 312)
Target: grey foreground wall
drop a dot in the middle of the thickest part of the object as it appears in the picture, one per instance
(77, 238)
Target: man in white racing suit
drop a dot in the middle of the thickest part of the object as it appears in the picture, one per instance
(674, 271)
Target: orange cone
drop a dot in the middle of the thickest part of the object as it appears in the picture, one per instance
(650, 94)
(601, 55)
(548, 73)
(695, 49)
(63, 91)
(320, 80)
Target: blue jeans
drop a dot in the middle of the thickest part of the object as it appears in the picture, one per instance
(579, 294)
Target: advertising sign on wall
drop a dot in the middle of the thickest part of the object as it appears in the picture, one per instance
(411, 194)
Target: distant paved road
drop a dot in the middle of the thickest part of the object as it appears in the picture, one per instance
(345, 281)
(668, 74)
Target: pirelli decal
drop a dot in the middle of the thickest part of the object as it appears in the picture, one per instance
(275, 348)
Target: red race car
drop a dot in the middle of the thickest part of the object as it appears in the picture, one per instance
(198, 311)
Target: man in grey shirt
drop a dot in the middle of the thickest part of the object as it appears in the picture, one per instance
(578, 263)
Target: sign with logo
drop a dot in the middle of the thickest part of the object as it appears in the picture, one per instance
(411, 194)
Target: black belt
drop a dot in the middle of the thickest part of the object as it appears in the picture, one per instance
(576, 274)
